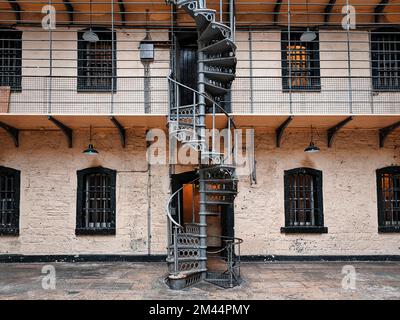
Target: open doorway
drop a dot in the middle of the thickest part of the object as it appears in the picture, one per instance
(186, 209)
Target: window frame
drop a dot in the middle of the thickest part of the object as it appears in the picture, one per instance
(381, 212)
(16, 36)
(104, 34)
(318, 181)
(14, 230)
(81, 174)
(375, 78)
(313, 48)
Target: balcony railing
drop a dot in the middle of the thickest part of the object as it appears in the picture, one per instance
(258, 95)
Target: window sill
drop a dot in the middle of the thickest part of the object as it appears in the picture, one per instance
(9, 232)
(304, 229)
(389, 229)
(94, 232)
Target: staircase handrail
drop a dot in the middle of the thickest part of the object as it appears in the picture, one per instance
(206, 97)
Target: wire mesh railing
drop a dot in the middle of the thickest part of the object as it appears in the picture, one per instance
(250, 95)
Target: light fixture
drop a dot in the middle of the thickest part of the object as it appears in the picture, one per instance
(308, 35)
(146, 46)
(90, 151)
(312, 148)
(89, 35)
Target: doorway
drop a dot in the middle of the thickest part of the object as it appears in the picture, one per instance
(187, 205)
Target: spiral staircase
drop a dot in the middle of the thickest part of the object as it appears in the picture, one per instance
(187, 244)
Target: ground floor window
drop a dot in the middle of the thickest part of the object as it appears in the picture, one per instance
(303, 201)
(388, 182)
(96, 201)
(9, 201)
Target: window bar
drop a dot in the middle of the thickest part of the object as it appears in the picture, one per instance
(312, 203)
(298, 206)
(87, 203)
(396, 203)
(290, 64)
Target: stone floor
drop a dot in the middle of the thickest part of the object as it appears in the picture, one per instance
(145, 281)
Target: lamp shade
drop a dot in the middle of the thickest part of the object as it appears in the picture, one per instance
(308, 36)
(312, 148)
(91, 151)
(90, 36)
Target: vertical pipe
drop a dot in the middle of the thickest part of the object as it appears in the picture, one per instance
(49, 107)
(350, 85)
(288, 59)
(221, 11)
(251, 71)
(113, 57)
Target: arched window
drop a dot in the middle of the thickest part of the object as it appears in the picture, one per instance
(96, 201)
(303, 201)
(9, 201)
(97, 61)
(385, 56)
(388, 183)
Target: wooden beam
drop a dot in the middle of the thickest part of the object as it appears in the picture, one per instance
(384, 132)
(70, 10)
(327, 11)
(67, 131)
(277, 10)
(279, 132)
(121, 131)
(12, 132)
(17, 9)
(334, 130)
(379, 9)
(122, 11)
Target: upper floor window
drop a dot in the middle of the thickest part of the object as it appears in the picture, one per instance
(96, 201)
(303, 201)
(388, 182)
(9, 201)
(300, 63)
(97, 62)
(10, 59)
(385, 55)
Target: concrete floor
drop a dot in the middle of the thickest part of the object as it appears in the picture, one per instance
(144, 281)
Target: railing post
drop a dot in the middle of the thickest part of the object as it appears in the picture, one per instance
(176, 269)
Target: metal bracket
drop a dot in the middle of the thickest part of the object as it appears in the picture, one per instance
(121, 131)
(67, 131)
(334, 130)
(384, 132)
(279, 132)
(12, 132)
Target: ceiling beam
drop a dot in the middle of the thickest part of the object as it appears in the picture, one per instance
(12, 132)
(277, 10)
(379, 9)
(122, 11)
(327, 11)
(65, 130)
(384, 132)
(17, 9)
(279, 132)
(334, 130)
(70, 10)
(121, 131)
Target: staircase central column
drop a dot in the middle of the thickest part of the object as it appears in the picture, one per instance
(202, 185)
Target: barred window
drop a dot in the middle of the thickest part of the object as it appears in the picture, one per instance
(10, 59)
(97, 62)
(300, 63)
(96, 201)
(303, 201)
(385, 55)
(388, 182)
(9, 201)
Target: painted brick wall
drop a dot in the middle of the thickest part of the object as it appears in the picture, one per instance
(48, 194)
